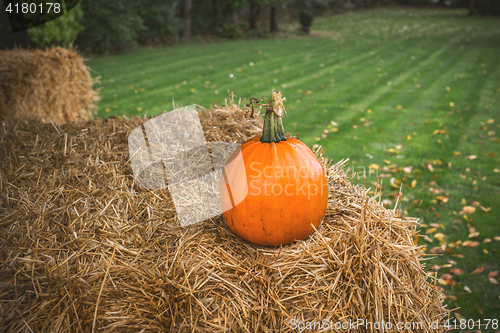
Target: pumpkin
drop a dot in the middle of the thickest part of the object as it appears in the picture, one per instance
(280, 182)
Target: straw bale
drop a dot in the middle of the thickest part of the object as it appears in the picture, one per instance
(84, 249)
(53, 85)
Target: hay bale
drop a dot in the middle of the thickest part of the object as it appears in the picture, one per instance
(85, 249)
(53, 85)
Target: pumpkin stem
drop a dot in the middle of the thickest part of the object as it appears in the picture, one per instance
(273, 130)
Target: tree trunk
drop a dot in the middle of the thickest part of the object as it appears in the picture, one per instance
(471, 7)
(274, 18)
(215, 14)
(186, 20)
(254, 15)
(234, 17)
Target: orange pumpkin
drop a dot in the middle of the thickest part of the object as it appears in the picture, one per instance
(282, 184)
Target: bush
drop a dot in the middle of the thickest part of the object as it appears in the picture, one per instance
(306, 19)
(61, 31)
(160, 20)
(110, 25)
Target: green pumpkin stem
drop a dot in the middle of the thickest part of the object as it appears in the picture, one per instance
(273, 130)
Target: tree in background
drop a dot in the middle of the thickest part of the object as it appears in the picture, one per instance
(160, 21)
(112, 25)
(187, 6)
(274, 17)
(253, 13)
(61, 31)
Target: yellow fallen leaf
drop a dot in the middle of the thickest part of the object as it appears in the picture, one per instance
(442, 199)
(452, 104)
(439, 131)
(448, 88)
(496, 170)
(459, 316)
(490, 121)
(399, 107)
(440, 237)
(485, 209)
(456, 153)
(139, 109)
(467, 289)
(413, 183)
(430, 167)
(374, 166)
(497, 238)
(430, 231)
(467, 210)
(387, 162)
(474, 234)
(471, 157)
(309, 92)
(408, 137)
(487, 240)
(470, 244)
(493, 280)
(369, 111)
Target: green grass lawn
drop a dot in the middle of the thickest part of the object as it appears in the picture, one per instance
(390, 89)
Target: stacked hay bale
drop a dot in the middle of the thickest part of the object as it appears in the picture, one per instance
(53, 85)
(85, 249)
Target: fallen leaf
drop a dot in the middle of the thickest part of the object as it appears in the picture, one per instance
(459, 316)
(479, 309)
(408, 169)
(446, 276)
(430, 231)
(490, 121)
(456, 153)
(470, 244)
(456, 271)
(467, 289)
(374, 166)
(467, 210)
(486, 210)
(496, 170)
(413, 183)
(436, 267)
(471, 157)
(487, 240)
(478, 270)
(497, 238)
(442, 199)
(474, 234)
(399, 107)
(440, 237)
(434, 190)
(429, 166)
(439, 131)
(493, 280)
(492, 274)
(436, 249)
